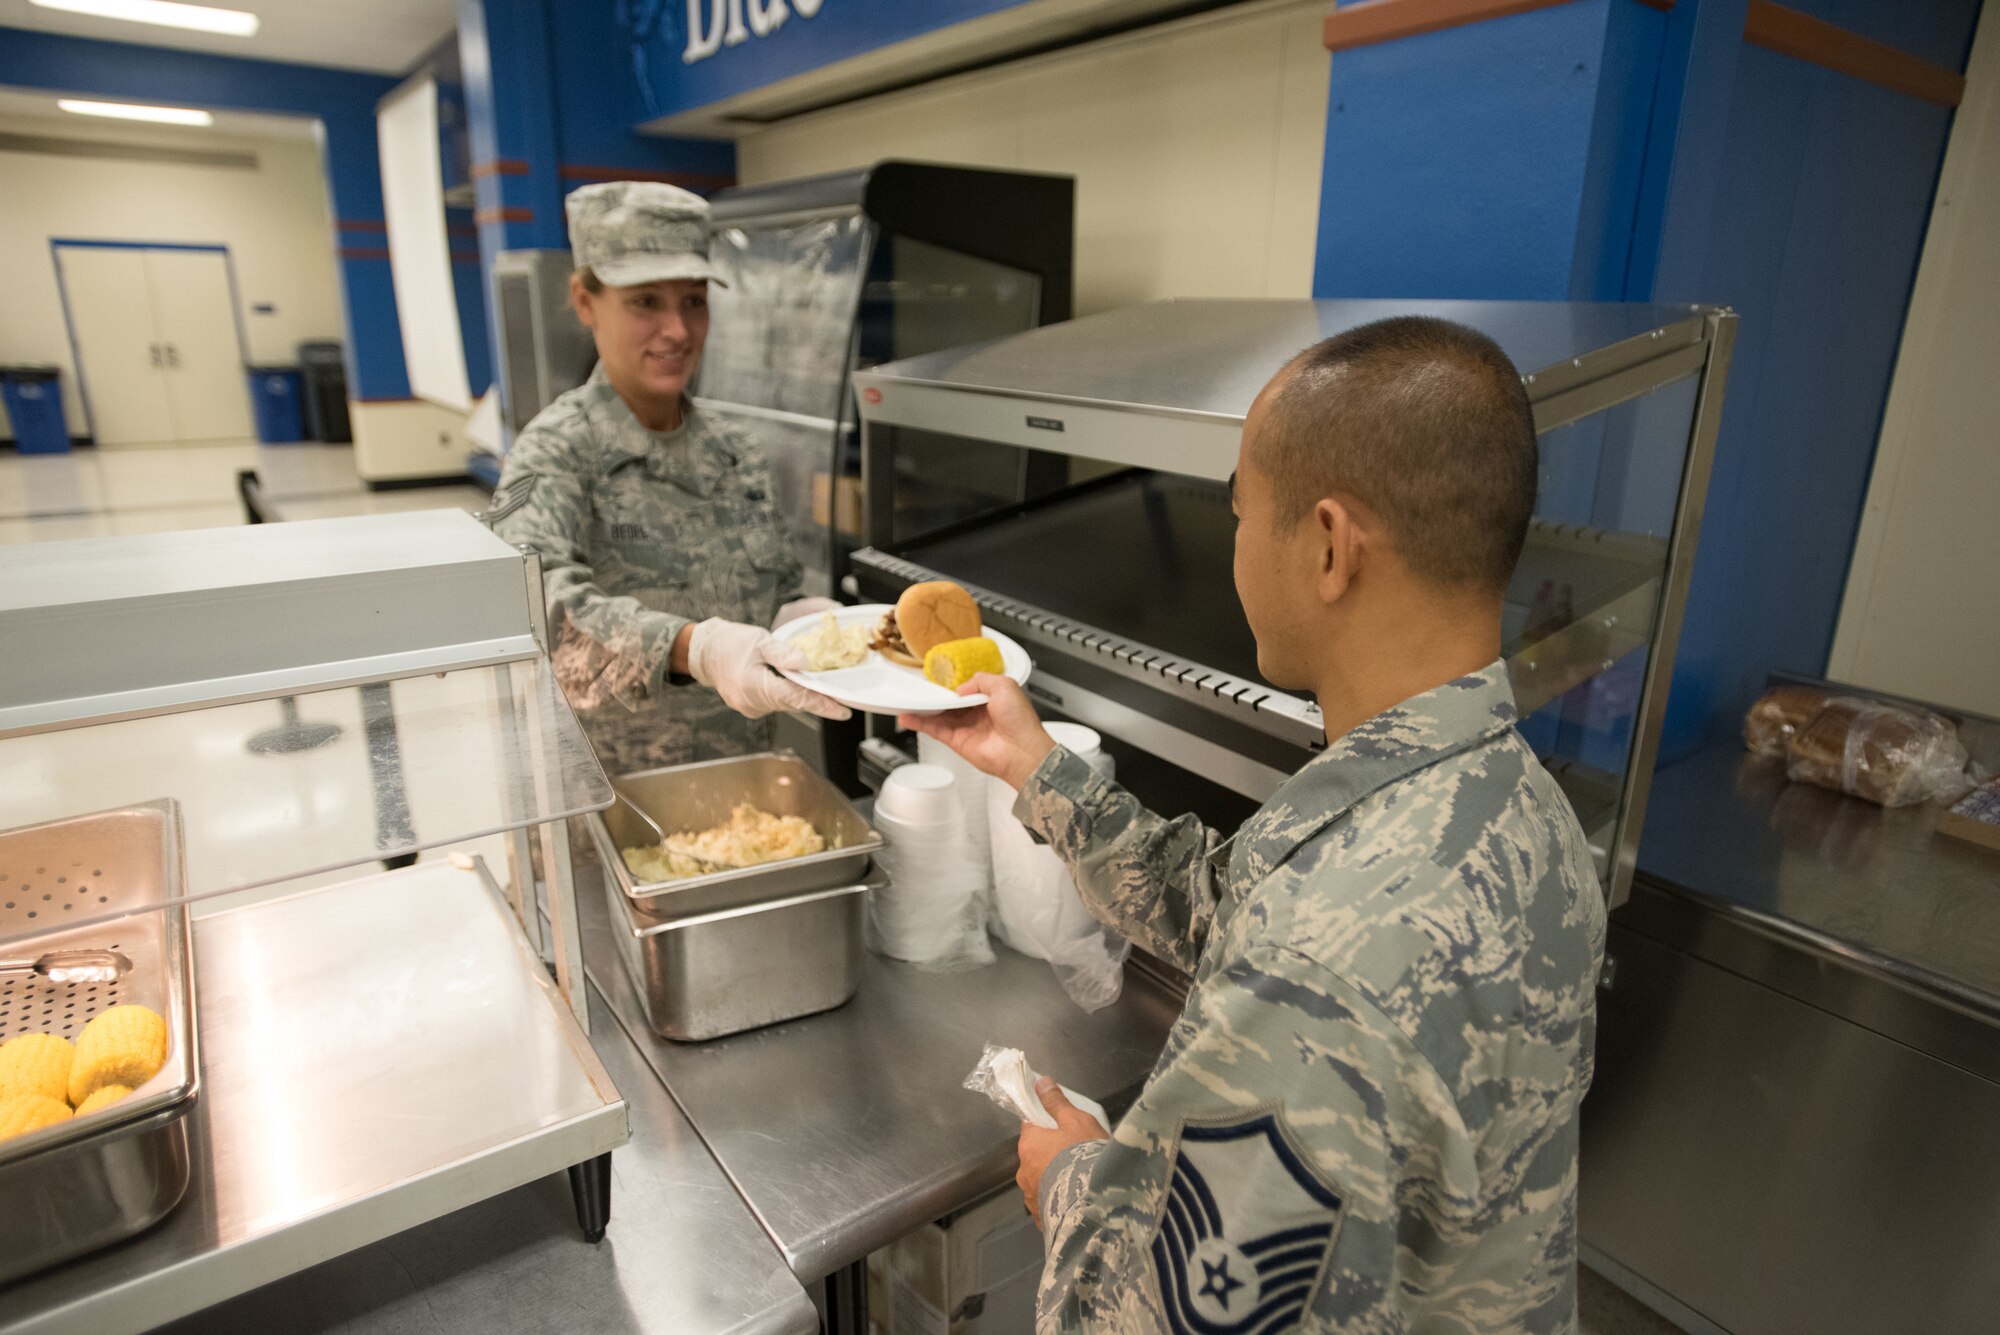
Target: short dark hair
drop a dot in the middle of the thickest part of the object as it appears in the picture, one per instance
(1426, 423)
(591, 282)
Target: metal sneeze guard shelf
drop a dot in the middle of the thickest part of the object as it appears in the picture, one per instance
(416, 762)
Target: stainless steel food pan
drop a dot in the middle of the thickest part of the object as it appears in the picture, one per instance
(704, 975)
(686, 799)
(82, 1184)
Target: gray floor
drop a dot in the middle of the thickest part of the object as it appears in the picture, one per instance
(94, 492)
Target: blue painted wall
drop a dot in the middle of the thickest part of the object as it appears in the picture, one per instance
(1801, 198)
(600, 102)
(553, 103)
(343, 101)
(1603, 149)
(1494, 160)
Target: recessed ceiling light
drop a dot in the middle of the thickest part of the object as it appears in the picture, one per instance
(127, 111)
(202, 18)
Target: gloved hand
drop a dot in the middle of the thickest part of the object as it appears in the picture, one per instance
(803, 607)
(739, 662)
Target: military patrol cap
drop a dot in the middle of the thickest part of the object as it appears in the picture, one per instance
(632, 232)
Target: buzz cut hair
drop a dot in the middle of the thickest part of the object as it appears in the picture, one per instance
(1426, 423)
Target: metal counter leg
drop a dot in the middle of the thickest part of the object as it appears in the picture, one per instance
(847, 1301)
(590, 1184)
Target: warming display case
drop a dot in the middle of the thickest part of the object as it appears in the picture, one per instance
(206, 714)
(1075, 479)
(829, 273)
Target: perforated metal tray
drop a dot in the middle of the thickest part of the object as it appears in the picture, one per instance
(90, 1181)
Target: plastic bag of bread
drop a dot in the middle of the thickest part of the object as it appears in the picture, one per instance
(1892, 755)
(1778, 716)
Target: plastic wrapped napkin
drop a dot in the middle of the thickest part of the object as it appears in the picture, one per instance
(1003, 1075)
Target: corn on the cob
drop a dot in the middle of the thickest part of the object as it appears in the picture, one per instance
(30, 1112)
(955, 662)
(121, 1046)
(35, 1064)
(101, 1097)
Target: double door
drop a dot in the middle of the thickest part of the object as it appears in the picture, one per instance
(157, 342)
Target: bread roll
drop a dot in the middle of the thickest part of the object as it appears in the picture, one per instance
(935, 613)
(1778, 716)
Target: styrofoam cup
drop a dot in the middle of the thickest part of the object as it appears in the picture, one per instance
(918, 795)
(1083, 743)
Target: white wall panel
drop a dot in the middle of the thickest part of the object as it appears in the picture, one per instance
(419, 248)
(273, 217)
(1196, 147)
(1920, 617)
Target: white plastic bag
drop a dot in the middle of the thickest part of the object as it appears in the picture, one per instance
(1037, 910)
(1003, 1075)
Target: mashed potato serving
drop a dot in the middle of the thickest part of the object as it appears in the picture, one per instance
(749, 838)
(830, 646)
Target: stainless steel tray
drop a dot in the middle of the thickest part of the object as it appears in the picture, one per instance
(90, 1181)
(703, 975)
(684, 798)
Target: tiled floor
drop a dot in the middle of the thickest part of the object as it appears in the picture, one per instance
(93, 492)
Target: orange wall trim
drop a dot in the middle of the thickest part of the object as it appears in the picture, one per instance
(1386, 20)
(570, 171)
(364, 253)
(360, 225)
(500, 167)
(1803, 37)
(503, 215)
(1374, 21)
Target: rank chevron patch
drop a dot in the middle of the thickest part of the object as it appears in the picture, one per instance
(1245, 1233)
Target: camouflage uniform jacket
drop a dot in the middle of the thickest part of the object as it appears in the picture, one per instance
(1365, 1119)
(640, 533)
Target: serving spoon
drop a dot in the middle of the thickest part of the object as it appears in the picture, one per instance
(661, 835)
(73, 966)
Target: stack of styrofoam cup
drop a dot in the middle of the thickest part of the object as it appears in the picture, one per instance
(930, 913)
(1037, 908)
(970, 786)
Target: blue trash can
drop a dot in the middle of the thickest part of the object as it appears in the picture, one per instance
(275, 393)
(35, 407)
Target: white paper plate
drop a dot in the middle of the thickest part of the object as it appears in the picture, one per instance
(878, 686)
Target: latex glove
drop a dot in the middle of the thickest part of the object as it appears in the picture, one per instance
(801, 608)
(739, 662)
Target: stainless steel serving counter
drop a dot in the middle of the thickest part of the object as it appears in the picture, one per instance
(683, 1256)
(1798, 1063)
(1878, 887)
(846, 1130)
(803, 1147)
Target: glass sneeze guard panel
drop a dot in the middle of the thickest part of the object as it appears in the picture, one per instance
(782, 323)
(277, 789)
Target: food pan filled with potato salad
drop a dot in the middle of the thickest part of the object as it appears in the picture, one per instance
(737, 831)
(97, 1034)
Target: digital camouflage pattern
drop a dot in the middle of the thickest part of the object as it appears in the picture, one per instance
(1365, 1119)
(632, 232)
(642, 533)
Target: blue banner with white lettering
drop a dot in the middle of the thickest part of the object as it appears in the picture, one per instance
(690, 53)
